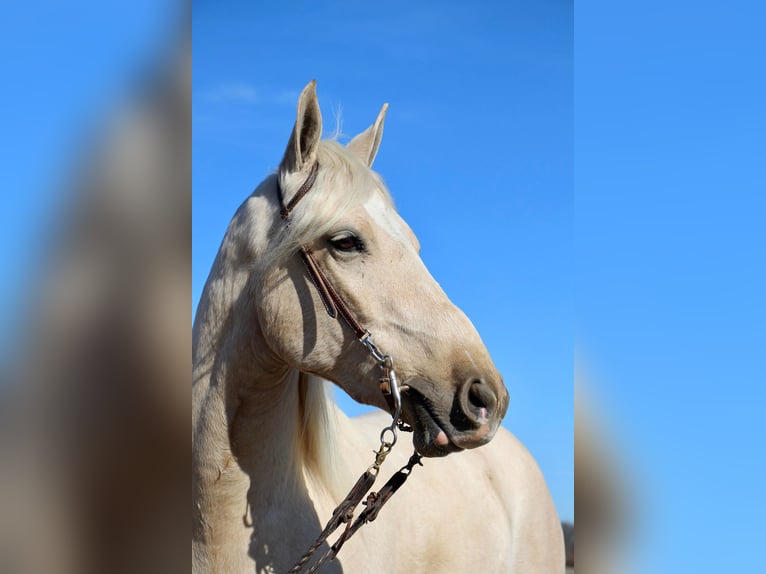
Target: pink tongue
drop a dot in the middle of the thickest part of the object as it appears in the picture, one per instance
(441, 439)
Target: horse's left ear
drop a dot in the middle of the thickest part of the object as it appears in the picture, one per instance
(302, 148)
(366, 144)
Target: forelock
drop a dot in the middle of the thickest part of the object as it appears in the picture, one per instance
(343, 183)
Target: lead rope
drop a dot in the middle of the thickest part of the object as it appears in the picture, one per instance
(389, 386)
(344, 512)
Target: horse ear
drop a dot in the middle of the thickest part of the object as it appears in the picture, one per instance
(302, 147)
(366, 144)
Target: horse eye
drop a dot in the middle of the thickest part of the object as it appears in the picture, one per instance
(347, 243)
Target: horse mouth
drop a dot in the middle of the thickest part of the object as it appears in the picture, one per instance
(431, 433)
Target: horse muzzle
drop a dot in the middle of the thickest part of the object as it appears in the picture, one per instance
(467, 419)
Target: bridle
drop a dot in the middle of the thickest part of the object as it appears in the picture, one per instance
(389, 386)
(335, 305)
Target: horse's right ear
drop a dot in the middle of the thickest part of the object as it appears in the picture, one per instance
(302, 148)
(366, 144)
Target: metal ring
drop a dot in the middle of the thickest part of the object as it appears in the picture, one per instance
(388, 444)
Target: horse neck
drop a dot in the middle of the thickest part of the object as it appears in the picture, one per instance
(233, 362)
(262, 431)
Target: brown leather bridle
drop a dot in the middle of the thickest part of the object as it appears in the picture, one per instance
(334, 303)
(389, 386)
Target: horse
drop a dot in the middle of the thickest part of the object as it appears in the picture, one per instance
(314, 261)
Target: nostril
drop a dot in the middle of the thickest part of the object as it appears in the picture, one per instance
(475, 395)
(475, 405)
(481, 400)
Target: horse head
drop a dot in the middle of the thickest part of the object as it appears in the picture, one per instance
(342, 214)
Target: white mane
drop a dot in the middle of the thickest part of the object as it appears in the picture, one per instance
(318, 422)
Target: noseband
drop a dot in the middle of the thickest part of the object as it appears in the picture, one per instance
(389, 386)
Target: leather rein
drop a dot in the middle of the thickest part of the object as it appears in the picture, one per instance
(389, 386)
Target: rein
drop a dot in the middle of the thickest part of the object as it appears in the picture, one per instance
(389, 386)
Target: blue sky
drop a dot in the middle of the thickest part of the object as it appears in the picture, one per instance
(477, 153)
(670, 211)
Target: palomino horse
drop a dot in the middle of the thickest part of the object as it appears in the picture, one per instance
(273, 455)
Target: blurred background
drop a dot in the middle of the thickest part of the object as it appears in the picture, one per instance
(95, 296)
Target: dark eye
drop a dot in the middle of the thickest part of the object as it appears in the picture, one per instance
(347, 243)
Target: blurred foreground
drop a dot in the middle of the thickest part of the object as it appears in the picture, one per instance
(602, 496)
(94, 411)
